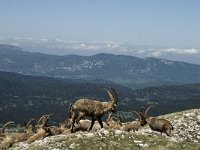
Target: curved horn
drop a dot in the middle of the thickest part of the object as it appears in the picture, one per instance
(46, 119)
(109, 116)
(31, 121)
(138, 115)
(114, 91)
(110, 94)
(116, 119)
(50, 115)
(145, 114)
(116, 95)
(41, 119)
(6, 125)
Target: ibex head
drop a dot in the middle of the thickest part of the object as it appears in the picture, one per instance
(143, 115)
(113, 122)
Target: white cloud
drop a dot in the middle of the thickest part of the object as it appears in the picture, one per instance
(108, 45)
(168, 51)
(94, 46)
(15, 44)
(58, 46)
(1, 38)
(59, 41)
(44, 40)
(157, 53)
(83, 45)
(141, 51)
(181, 51)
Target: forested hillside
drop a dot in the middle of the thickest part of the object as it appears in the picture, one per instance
(23, 97)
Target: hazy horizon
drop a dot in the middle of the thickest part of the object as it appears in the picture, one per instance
(162, 29)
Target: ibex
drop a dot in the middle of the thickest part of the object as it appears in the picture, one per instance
(115, 123)
(42, 131)
(84, 125)
(156, 124)
(9, 139)
(58, 130)
(30, 128)
(5, 140)
(93, 108)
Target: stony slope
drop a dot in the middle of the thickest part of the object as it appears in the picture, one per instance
(186, 126)
(185, 136)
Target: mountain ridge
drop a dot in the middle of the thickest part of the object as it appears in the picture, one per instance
(129, 71)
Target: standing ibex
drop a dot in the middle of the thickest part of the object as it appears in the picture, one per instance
(93, 108)
(156, 124)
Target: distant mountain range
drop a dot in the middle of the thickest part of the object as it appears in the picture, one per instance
(87, 48)
(125, 70)
(23, 97)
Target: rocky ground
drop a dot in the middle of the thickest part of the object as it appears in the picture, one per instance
(186, 126)
(186, 135)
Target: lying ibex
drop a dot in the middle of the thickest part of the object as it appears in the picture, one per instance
(84, 125)
(156, 124)
(115, 123)
(58, 130)
(5, 140)
(93, 108)
(9, 139)
(42, 131)
(30, 128)
(2, 130)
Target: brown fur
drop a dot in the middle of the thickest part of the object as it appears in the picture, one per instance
(157, 124)
(41, 134)
(7, 142)
(93, 108)
(41, 130)
(9, 139)
(58, 130)
(126, 126)
(84, 125)
(160, 125)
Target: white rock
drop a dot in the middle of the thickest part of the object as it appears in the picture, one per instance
(118, 131)
(136, 141)
(89, 135)
(72, 145)
(143, 145)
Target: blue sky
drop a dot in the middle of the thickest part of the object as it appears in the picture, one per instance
(173, 23)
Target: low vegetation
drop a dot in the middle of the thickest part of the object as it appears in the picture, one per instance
(186, 135)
